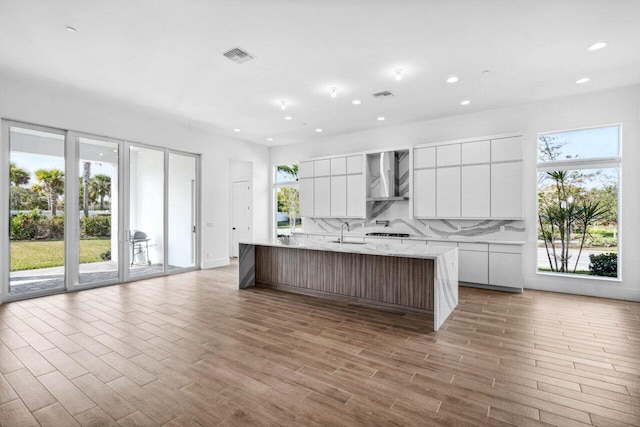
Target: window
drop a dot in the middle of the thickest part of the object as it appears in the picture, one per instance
(287, 200)
(578, 185)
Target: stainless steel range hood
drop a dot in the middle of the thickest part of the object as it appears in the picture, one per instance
(383, 173)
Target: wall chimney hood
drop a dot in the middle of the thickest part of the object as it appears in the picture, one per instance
(384, 177)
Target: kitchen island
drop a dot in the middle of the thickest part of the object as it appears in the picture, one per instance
(420, 279)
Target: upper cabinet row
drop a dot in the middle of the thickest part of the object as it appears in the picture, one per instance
(473, 180)
(332, 188)
(476, 179)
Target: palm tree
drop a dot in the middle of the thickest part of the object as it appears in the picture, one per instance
(100, 186)
(52, 183)
(17, 175)
(86, 176)
(290, 170)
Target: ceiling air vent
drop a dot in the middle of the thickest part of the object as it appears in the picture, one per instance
(238, 55)
(383, 95)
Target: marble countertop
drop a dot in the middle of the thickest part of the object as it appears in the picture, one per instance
(420, 238)
(397, 250)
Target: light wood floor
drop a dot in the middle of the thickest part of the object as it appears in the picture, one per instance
(194, 350)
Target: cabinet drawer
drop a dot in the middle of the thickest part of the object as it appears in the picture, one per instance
(477, 247)
(505, 249)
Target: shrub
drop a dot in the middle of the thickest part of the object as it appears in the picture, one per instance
(97, 226)
(27, 226)
(54, 227)
(106, 255)
(604, 264)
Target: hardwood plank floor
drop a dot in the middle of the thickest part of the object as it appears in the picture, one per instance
(192, 349)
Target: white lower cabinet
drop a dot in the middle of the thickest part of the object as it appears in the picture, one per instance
(306, 197)
(473, 263)
(322, 197)
(505, 266)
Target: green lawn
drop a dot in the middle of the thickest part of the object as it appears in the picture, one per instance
(29, 254)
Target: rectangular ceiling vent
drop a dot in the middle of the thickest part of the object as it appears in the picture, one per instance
(238, 55)
(383, 95)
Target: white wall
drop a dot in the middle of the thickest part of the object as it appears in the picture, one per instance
(595, 109)
(62, 107)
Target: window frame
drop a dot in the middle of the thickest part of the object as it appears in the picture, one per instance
(609, 162)
(274, 195)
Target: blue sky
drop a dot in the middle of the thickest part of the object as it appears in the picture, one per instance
(589, 143)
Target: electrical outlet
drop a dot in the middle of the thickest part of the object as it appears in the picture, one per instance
(502, 228)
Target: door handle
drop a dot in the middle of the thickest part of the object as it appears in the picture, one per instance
(233, 228)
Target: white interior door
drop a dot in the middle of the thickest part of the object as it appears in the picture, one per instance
(240, 214)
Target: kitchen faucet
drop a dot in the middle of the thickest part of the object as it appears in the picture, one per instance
(342, 224)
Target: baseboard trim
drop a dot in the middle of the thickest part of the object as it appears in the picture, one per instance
(491, 287)
(215, 263)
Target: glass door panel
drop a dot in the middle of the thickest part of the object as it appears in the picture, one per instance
(146, 211)
(36, 204)
(98, 203)
(182, 211)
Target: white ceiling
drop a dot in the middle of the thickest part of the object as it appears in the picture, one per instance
(166, 56)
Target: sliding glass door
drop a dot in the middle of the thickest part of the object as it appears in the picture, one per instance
(36, 210)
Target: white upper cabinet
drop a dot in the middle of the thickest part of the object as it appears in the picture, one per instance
(306, 197)
(322, 168)
(448, 155)
(476, 191)
(448, 192)
(424, 193)
(339, 166)
(476, 152)
(305, 170)
(506, 149)
(424, 157)
(339, 196)
(354, 164)
(356, 204)
(506, 190)
(322, 197)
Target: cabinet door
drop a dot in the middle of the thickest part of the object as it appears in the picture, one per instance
(339, 166)
(476, 191)
(476, 152)
(354, 164)
(505, 269)
(356, 205)
(473, 266)
(322, 197)
(448, 192)
(424, 193)
(506, 190)
(322, 168)
(305, 170)
(506, 149)
(424, 157)
(306, 197)
(447, 155)
(339, 196)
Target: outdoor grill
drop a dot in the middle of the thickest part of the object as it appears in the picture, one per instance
(139, 246)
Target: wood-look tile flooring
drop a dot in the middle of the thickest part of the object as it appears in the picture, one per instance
(192, 349)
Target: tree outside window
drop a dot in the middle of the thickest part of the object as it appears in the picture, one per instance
(287, 200)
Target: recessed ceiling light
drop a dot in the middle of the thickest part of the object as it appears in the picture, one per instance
(115, 151)
(283, 105)
(318, 130)
(269, 139)
(102, 154)
(71, 29)
(356, 102)
(452, 79)
(597, 46)
(380, 118)
(465, 102)
(288, 118)
(582, 80)
(236, 130)
(398, 72)
(334, 92)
